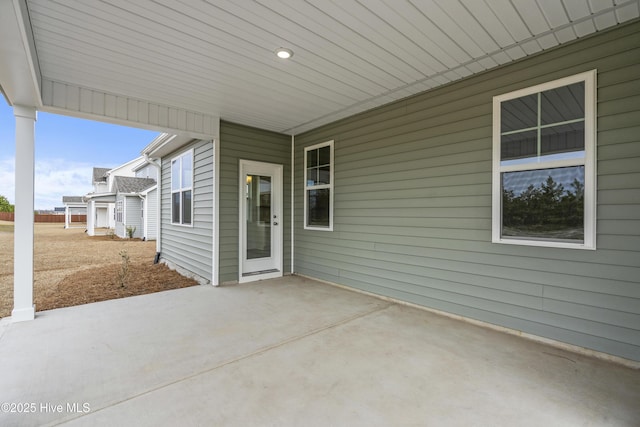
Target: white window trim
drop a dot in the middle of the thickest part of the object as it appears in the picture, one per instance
(319, 187)
(590, 206)
(182, 189)
(119, 211)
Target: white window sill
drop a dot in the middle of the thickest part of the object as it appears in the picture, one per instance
(544, 243)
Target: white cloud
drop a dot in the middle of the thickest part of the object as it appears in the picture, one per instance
(54, 178)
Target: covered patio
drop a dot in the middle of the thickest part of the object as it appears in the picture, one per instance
(293, 351)
(405, 99)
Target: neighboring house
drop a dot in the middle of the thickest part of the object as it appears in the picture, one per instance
(146, 170)
(135, 200)
(73, 205)
(409, 201)
(101, 207)
(124, 196)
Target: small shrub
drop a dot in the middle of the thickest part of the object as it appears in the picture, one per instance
(123, 273)
(131, 231)
(111, 234)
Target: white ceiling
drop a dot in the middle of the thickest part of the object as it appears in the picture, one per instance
(217, 56)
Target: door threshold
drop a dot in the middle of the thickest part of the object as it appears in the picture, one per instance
(255, 273)
(260, 275)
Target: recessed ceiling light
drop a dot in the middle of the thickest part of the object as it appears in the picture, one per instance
(284, 53)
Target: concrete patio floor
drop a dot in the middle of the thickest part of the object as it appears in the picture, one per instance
(293, 352)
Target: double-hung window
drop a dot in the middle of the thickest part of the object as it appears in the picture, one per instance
(544, 178)
(318, 186)
(182, 188)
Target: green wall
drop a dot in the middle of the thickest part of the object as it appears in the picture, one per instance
(191, 247)
(245, 143)
(412, 215)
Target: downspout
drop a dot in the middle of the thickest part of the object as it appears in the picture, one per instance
(145, 206)
(158, 166)
(124, 213)
(215, 264)
(293, 200)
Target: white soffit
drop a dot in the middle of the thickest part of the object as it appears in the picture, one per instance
(216, 57)
(19, 70)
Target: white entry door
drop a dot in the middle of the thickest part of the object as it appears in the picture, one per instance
(260, 220)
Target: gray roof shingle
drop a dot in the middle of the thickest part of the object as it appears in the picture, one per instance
(126, 184)
(100, 174)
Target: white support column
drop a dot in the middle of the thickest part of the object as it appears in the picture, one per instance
(91, 215)
(66, 216)
(23, 307)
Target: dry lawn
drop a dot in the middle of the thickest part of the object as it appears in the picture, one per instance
(72, 268)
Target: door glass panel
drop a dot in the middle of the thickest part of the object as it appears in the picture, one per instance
(258, 216)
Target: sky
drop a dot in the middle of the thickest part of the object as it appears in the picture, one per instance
(66, 150)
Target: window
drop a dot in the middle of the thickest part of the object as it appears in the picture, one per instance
(182, 188)
(119, 211)
(318, 186)
(544, 179)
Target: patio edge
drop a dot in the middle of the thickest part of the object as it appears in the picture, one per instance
(628, 363)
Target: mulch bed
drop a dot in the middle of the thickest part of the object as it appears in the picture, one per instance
(103, 283)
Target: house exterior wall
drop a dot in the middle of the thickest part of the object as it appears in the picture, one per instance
(150, 218)
(412, 215)
(111, 215)
(190, 246)
(127, 169)
(100, 187)
(133, 216)
(148, 171)
(245, 143)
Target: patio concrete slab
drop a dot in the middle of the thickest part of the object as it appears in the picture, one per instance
(294, 352)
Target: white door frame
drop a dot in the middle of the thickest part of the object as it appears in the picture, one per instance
(248, 167)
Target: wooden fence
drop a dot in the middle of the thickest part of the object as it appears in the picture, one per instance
(10, 216)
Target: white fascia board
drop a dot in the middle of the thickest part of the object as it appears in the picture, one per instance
(62, 98)
(166, 146)
(157, 142)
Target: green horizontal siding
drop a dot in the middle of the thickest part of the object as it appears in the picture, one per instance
(191, 248)
(245, 143)
(412, 217)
